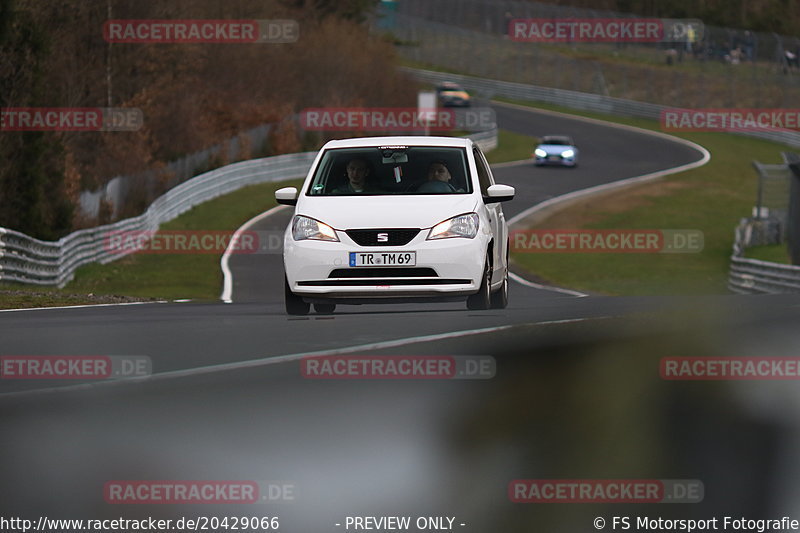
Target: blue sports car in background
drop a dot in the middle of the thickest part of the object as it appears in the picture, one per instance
(556, 150)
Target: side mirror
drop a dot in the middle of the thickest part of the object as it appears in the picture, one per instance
(286, 196)
(499, 193)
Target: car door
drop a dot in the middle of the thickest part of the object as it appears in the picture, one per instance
(496, 216)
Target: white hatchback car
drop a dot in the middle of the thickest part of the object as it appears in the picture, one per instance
(396, 219)
(556, 150)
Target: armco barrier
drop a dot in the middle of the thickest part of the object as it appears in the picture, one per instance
(746, 275)
(576, 100)
(753, 276)
(24, 259)
(28, 260)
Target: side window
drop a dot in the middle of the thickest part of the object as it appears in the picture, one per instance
(484, 175)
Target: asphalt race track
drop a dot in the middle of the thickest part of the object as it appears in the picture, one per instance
(575, 394)
(607, 154)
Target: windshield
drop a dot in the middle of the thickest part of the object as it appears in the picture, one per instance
(557, 141)
(391, 170)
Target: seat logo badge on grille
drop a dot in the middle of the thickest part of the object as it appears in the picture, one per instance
(383, 237)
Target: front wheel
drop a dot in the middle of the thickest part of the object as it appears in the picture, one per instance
(482, 298)
(500, 297)
(294, 304)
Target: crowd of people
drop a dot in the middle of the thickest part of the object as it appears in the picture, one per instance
(734, 48)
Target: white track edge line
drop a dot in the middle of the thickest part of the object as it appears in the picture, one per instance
(84, 306)
(227, 275)
(267, 361)
(706, 157)
(511, 163)
(519, 279)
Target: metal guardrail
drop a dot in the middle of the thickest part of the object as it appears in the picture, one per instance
(27, 260)
(745, 275)
(173, 172)
(492, 17)
(486, 140)
(753, 276)
(576, 100)
(24, 259)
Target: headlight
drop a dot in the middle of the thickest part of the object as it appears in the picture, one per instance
(460, 226)
(307, 228)
(539, 152)
(568, 153)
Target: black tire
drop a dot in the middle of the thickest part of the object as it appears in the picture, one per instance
(500, 297)
(325, 309)
(482, 299)
(294, 304)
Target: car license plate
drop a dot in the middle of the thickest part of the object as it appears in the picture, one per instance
(553, 158)
(368, 259)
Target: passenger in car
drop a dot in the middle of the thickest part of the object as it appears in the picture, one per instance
(438, 179)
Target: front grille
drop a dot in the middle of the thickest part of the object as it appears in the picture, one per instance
(394, 237)
(383, 273)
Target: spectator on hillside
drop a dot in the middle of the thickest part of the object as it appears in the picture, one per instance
(791, 59)
(691, 38)
(749, 45)
(671, 54)
(734, 57)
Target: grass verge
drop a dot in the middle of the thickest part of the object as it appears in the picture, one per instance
(711, 199)
(148, 277)
(511, 147)
(776, 253)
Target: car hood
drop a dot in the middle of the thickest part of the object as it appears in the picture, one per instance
(455, 94)
(555, 149)
(395, 211)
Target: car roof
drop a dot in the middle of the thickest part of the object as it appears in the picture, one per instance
(562, 138)
(400, 140)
